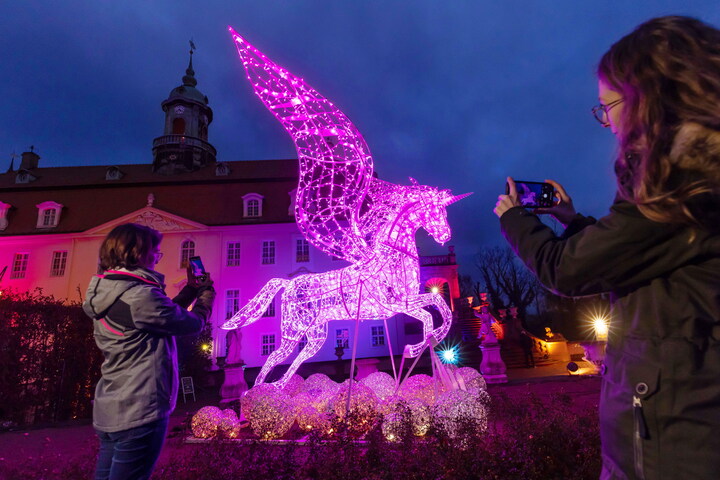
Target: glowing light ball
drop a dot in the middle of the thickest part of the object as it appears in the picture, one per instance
(456, 407)
(204, 423)
(316, 398)
(294, 385)
(392, 404)
(473, 379)
(251, 396)
(229, 425)
(319, 381)
(382, 384)
(363, 408)
(420, 417)
(393, 427)
(271, 414)
(310, 418)
(420, 387)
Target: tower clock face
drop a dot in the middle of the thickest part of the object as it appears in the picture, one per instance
(179, 109)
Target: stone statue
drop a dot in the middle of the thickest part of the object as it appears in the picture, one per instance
(234, 347)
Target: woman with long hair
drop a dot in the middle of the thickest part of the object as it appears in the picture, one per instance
(135, 325)
(657, 252)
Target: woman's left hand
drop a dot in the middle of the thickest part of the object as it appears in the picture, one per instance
(506, 202)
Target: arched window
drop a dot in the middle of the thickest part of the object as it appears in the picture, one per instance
(187, 250)
(178, 126)
(252, 205)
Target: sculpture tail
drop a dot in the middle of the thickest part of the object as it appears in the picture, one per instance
(255, 308)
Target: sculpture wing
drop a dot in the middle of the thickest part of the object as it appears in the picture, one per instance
(335, 162)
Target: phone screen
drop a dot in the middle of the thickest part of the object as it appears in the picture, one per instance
(535, 194)
(198, 269)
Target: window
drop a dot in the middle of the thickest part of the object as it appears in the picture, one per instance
(378, 335)
(187, 250)
(221, 169)
(268, 253)
(302, 251)
(59, 260)
(252, 205)
(233, 254)
(4, 208)
(268, 344)
(49, 218)
(19, 267)
(48, 214)
(113, 173)
(178, 126)
(342, 337)
(232, 302)
(270, 310)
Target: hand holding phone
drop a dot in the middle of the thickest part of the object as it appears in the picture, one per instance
(533, 194)
(198, 277)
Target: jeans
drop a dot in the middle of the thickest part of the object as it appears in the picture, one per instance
(130, 454)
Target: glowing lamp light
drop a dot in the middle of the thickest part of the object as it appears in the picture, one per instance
(434, 289)
(601, 326)
(205, 347)
(449, 356)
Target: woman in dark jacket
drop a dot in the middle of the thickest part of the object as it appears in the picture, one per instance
(657, 252)
(135, 327)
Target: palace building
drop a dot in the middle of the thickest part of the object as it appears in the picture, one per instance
(237, 215)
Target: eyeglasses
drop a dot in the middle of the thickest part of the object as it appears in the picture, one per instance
(600, 112)
(158, 256)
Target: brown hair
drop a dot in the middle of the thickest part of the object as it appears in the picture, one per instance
(668, 73)
(128, 246)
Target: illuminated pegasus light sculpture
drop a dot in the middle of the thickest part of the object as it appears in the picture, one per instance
(347, 213)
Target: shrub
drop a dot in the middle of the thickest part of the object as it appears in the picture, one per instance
(49, 363)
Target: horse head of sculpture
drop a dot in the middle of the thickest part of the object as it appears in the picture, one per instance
(431, 209)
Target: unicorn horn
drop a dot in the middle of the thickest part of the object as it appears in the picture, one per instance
(457, 198)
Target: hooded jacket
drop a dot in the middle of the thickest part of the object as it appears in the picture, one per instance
(660, 399)
(134, 327)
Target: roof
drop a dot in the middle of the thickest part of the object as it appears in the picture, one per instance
(90, 200)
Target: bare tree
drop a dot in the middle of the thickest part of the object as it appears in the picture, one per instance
(506, 280)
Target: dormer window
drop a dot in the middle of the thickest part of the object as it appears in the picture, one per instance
(4, 209)
(252, 205)
(48, 214)
(113, 173)
(23, 176)
(222, 169)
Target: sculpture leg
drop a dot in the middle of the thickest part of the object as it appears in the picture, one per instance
(425, 317)
(311, 348)
(439, 333)
(284, 351)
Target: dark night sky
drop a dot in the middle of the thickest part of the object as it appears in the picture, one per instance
(457, 94)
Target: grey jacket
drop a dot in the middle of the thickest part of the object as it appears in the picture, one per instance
(134, 327)
(660, 399)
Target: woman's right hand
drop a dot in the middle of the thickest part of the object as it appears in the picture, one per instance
(563, 209)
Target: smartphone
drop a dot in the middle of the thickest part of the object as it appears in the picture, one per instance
(533, 194)
(198, 269)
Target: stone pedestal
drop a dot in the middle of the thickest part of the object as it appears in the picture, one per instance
(594, 354)
(366, 366)
(234, 385)
(492, 366)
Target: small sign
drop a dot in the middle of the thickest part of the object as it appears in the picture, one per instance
(187, 387)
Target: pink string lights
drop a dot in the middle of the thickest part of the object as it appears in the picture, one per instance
(344, 211)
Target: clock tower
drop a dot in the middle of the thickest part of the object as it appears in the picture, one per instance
(184, 147)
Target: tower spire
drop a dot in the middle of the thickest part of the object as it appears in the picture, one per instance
(189, 78)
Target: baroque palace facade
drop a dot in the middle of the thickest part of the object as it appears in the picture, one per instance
(237, 215)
